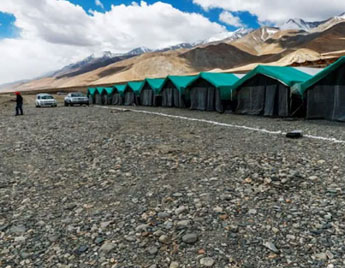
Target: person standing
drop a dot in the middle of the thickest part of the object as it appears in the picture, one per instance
(19, 101)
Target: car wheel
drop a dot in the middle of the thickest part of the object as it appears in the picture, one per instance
(66, 104)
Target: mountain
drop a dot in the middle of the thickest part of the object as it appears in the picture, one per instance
(238, 51)
(302, 25)
(89, 64)
(138, 51)
(255, 42)
(299, 24)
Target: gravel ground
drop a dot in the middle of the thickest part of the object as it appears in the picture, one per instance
(91, 187)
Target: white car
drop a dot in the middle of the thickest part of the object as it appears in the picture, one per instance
(45, 100)
(76, 98)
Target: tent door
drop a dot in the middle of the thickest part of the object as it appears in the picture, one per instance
(129, 98)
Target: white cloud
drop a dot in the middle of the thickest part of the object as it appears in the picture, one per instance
(230, 19)
(278, 11)
(99, 3)
(57, 32)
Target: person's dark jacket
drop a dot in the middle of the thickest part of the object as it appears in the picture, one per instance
(19, 100)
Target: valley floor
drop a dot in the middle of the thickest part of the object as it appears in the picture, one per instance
(95, 187)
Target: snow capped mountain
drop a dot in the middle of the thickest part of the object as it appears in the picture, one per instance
(228, 36)
(302, 25)
(138, 51)
(299, 24)
(340, 17)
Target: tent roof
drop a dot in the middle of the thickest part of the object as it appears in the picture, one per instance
(99, 90)
(313, 80)
(120, 88)
(222, 81)
(91, 91)
(135, 86)
(180, 82)
(286, 75)
(154, 83)
(108, 90)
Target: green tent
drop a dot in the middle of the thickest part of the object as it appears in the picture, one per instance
(91, 91)
(91, 94)
(120, 89)
(266, 90)
(302, 87)
(211, 91)
(118, 94)
(288, 76)
(173, 90)
(107, 95)
(325, 93)
(99, 95)
(149, 91)
(132, 92)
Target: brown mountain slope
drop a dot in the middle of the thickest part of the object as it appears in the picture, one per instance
(333, 39)
(263, 41)
(217, 56)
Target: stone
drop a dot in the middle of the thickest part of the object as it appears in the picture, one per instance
(99, 240)
(190, 238)
(183, 224)
(107, 247)
(252, 211)
(180, 210)
(321, 256)
(18, 229)
(163, 215)
(152, 250)
(19, 239)
(142, 228)
(271, 246)
(164, 239)
(174, 264)
(82, 249)
(207, 262)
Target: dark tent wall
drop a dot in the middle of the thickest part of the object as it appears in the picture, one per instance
(262, 95)
(171, 96)
(129, 97)
(116, 98)
(91, 95)
(204, 96)
(326, 98)
(107, 96)
(99, 97)
(118, 94)
(146, 95)
(131, 93)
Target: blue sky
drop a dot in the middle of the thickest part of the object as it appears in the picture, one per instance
(8, 30)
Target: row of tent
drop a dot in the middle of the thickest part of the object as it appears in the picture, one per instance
(266, 90)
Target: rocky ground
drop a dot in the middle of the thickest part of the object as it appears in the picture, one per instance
(90, 187)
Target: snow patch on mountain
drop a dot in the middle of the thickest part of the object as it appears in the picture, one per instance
(228, 36)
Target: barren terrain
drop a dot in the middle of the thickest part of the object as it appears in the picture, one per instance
(94, 187)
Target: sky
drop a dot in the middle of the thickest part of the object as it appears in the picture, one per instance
(39, 36)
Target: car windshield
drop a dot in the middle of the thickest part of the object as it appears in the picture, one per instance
(77, 95)
(47, 97)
